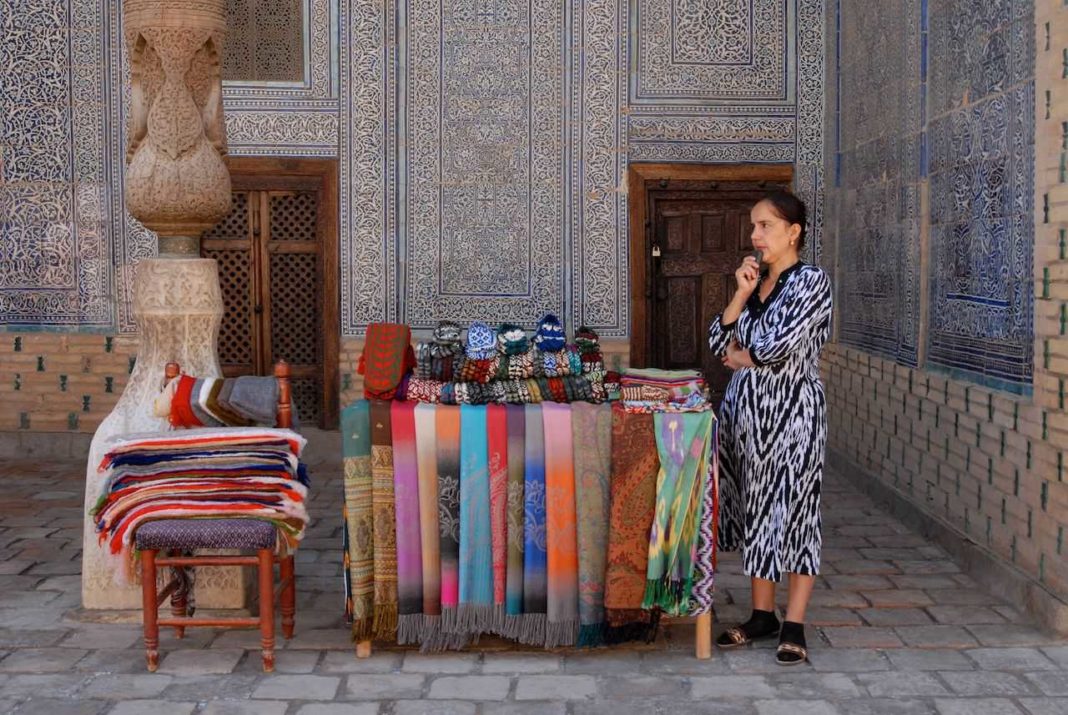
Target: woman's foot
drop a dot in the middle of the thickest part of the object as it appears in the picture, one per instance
(792, 648)
(761, 624)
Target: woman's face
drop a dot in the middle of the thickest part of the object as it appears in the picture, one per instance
(773, 235)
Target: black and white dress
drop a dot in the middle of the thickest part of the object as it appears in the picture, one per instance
(773, 426)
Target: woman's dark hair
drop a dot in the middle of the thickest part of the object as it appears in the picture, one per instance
(789, 208)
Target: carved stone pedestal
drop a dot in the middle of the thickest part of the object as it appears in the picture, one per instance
(179, 308)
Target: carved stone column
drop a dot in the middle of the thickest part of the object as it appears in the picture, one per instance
(177, 185)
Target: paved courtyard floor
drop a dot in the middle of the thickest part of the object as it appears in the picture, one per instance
(895, 627)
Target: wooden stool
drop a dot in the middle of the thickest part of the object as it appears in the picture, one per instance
(175, 536)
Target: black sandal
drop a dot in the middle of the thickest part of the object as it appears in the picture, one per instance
(762, 624)
(792, 649)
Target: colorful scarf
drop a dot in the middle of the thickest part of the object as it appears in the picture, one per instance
(359, 523)
(633, 505)
(447, 426)
(592, 429)
(497, 439)
(535, 558)
(683, 441)
(562, 608)
(476, 550)
(385, 530)
(427, 459)
(387, 357)
(704, 569)
(406, 505)
(513, 621)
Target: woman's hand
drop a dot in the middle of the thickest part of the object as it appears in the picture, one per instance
(737, 357)
(747, 276)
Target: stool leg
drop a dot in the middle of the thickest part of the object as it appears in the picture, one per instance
(289, 595)
(178, 604)
(148, 609)
(266, 573)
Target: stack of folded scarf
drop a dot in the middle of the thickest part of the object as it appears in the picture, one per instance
(655, 390)
(219, 402)
(242, 472)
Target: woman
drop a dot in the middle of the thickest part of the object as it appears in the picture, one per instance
(773, 422)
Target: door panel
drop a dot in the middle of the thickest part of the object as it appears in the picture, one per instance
(701, 234)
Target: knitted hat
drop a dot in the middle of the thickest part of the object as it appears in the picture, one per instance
(550, 336)
(587, 338)
(481, 341)
(447, 332)
(512, 339)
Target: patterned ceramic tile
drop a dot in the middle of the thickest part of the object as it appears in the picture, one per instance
(878, 214)
(982, 198)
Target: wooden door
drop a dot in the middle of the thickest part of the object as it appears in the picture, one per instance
(274, 270)
(699, 234)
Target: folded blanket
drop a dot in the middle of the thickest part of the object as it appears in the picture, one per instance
(200, 473)
(255, 398)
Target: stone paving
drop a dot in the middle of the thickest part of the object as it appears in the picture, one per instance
(895, 627)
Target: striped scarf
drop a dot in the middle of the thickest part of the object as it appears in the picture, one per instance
(592, 430)
(535, 557)
(497, 440)
(356, 454)
(447, 426)
(514, 576)
(476, 551)
(406, 504)
(384, 514)
(562, 539)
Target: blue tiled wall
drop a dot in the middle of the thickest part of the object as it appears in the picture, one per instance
(942, 92)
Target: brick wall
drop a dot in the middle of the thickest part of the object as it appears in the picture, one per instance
(55, 382)
(990, 465)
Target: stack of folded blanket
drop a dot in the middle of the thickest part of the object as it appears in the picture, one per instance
(219, 402)
(244, 472)
(655, 390)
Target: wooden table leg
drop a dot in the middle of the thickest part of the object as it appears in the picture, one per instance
(363, 649)
(704, 636)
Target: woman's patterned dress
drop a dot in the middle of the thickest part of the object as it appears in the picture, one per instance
(773, 426)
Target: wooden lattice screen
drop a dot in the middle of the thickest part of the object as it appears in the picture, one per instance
(267, 43)
(270, 260)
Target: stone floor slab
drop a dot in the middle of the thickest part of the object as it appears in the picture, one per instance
(152, 707)
(977, 706)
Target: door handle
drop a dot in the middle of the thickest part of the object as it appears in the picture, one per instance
(258, 310)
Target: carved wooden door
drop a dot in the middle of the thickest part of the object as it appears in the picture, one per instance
(699, 233)
(271, 268)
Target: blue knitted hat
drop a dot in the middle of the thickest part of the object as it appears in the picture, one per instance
(550, 337)
(481, 341)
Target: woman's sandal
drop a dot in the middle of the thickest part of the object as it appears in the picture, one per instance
(765, 626)
(790, 654)
(792, 648)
